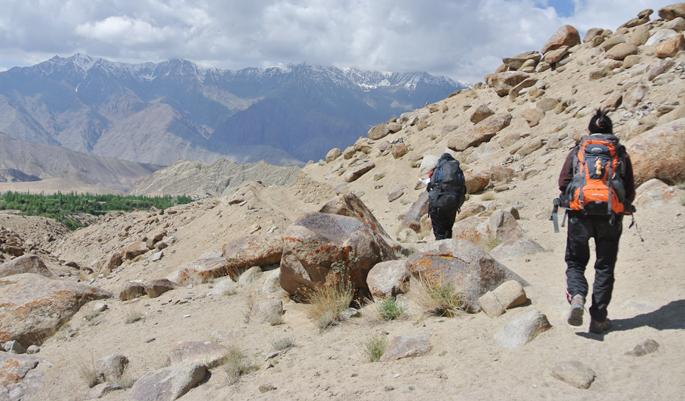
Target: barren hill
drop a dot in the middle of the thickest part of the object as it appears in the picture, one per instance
(203, 296)
(24, 162)
(219, 178)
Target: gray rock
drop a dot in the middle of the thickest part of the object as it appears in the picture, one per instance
(157, 256)
(396, 194)
(24, 264)
(516, 247)
(354, 172)
(574, 373)
(169, 383)
(522, 329)
(268, 311)
(17, 376)
(660, 36)
(224, 287)
(490, 305)
(249, 276)
(406, 347)
(387, 279)
(510, 294)
(14, 347)
(110, 368)
(646, 347)
(198, 352)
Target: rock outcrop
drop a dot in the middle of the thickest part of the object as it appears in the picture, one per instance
(33, 307)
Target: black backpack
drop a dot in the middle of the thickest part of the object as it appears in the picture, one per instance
(448, 178)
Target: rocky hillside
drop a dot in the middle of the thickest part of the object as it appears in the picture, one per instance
(22, 161)
(175, 110)
(217, 179)
(333, 288)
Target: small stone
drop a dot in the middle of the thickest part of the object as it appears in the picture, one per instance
(396, 194)
(158, 287)
(110, 368)
(522, 329)
(349, 313)
(32, 349)
(269, 311)
(100, 307)
(156, 257)
(481, 113)
(168, 384)
(405, 347)
(510, 294)
(249, 276)
(574, 373)
(102, 389)
(646, 347)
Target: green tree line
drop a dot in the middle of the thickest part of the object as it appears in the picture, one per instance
(64, 207)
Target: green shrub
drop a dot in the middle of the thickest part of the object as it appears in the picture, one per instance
(389, 309)
(375, 348)
(66, 208)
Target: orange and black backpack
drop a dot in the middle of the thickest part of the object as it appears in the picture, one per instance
(598, 169)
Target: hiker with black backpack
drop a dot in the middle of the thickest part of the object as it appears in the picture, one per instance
(446, 193)
(597, 189)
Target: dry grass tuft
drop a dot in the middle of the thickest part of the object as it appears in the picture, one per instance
(87, 372)
(438, 297)
(236, 365)
(375, 348)
(389, 309)
(328, 302)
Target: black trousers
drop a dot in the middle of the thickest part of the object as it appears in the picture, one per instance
(606, 234)
(442, 210)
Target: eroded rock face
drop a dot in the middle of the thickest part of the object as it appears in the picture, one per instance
(33, 307)
(329, 249)
(470, 269)
(25, 264)
(253, 250)
(658, 153)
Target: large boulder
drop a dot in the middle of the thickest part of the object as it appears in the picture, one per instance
(659, 153)
(655, 193)
(670, 47)
(135, 249)
(481, 132)
(329, 249)
(169, 384)
(516, 62)
(378, 131)
(621, 51)
(471, 270)
(350, 205)
(388, 279)
(564, 36)
(673, 11)
(25, 264)
(660, 35)
(33, 307)
(412, 217)
(253, 250)
(503, 82)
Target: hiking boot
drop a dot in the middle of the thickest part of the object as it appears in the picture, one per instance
(575, 314)
(600, 327)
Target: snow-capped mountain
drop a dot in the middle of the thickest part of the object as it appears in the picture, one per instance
(176, 109)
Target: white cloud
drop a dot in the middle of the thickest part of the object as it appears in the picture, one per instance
(461, 38)
(123, 31)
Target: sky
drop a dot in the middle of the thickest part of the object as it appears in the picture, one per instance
(462, 39)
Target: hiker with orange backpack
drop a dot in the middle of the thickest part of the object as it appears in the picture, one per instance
(597, 189)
